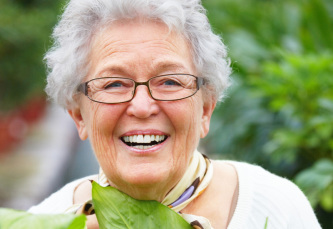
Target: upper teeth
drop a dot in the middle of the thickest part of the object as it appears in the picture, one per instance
(143, 138)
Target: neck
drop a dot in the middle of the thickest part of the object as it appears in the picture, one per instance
(146, 191)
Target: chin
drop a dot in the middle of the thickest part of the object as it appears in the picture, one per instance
(143, 175)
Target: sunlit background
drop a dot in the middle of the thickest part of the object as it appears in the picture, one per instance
(278, 114)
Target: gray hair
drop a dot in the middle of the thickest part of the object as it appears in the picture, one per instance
(67, 60)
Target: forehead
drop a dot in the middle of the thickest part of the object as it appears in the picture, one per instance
(136, 46)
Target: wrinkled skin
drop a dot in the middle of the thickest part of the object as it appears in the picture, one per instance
(141, 50)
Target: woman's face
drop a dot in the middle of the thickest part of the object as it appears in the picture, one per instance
(141, 50)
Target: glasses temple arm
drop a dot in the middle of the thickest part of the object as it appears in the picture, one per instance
(83, 88)
(200, 82)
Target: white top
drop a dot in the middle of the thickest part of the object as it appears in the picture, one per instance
(262, 195)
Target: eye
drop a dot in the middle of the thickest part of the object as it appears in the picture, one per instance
(170, 82)
(114, 85)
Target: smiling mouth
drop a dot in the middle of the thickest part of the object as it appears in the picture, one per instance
(143, 141)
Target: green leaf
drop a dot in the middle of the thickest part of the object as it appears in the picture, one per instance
(317, 183)
(326, 199)
(266, 223)
(115, 209)
(13, 219)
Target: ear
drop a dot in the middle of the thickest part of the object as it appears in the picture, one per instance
(76, 115)
(208, 108)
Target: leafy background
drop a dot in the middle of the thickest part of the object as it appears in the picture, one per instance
(25, 28)
(279, 110)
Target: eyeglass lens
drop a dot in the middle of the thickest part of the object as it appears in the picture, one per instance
(117, 90)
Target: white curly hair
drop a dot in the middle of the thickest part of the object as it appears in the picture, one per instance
(67, 60)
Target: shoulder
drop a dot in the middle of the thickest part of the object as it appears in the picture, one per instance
(225, 173)
(266, 196)
(61, 200)
(266, 184)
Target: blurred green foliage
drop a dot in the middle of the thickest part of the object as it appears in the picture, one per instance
(279, 110)
(25, 28)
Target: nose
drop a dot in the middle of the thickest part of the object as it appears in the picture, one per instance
(142, 105)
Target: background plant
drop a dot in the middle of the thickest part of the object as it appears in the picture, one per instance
(25, 27)
(279, 111)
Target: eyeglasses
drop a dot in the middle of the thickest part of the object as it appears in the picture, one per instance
(113, 90)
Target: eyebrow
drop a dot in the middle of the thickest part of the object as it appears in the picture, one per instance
(115, 69)
(168, 66)
(158, 67)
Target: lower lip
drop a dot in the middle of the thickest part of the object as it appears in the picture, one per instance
(151, 150)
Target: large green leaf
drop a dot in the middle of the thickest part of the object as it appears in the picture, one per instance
(115, 209)
(13, 219)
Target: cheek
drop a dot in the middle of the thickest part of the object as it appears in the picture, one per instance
(102, 126)
(185, 119)
(187, 123)
(103, 118)
(192, 117)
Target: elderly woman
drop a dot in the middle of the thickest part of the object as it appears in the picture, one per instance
(141, 78)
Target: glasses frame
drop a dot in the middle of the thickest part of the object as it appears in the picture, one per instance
(83, 87)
